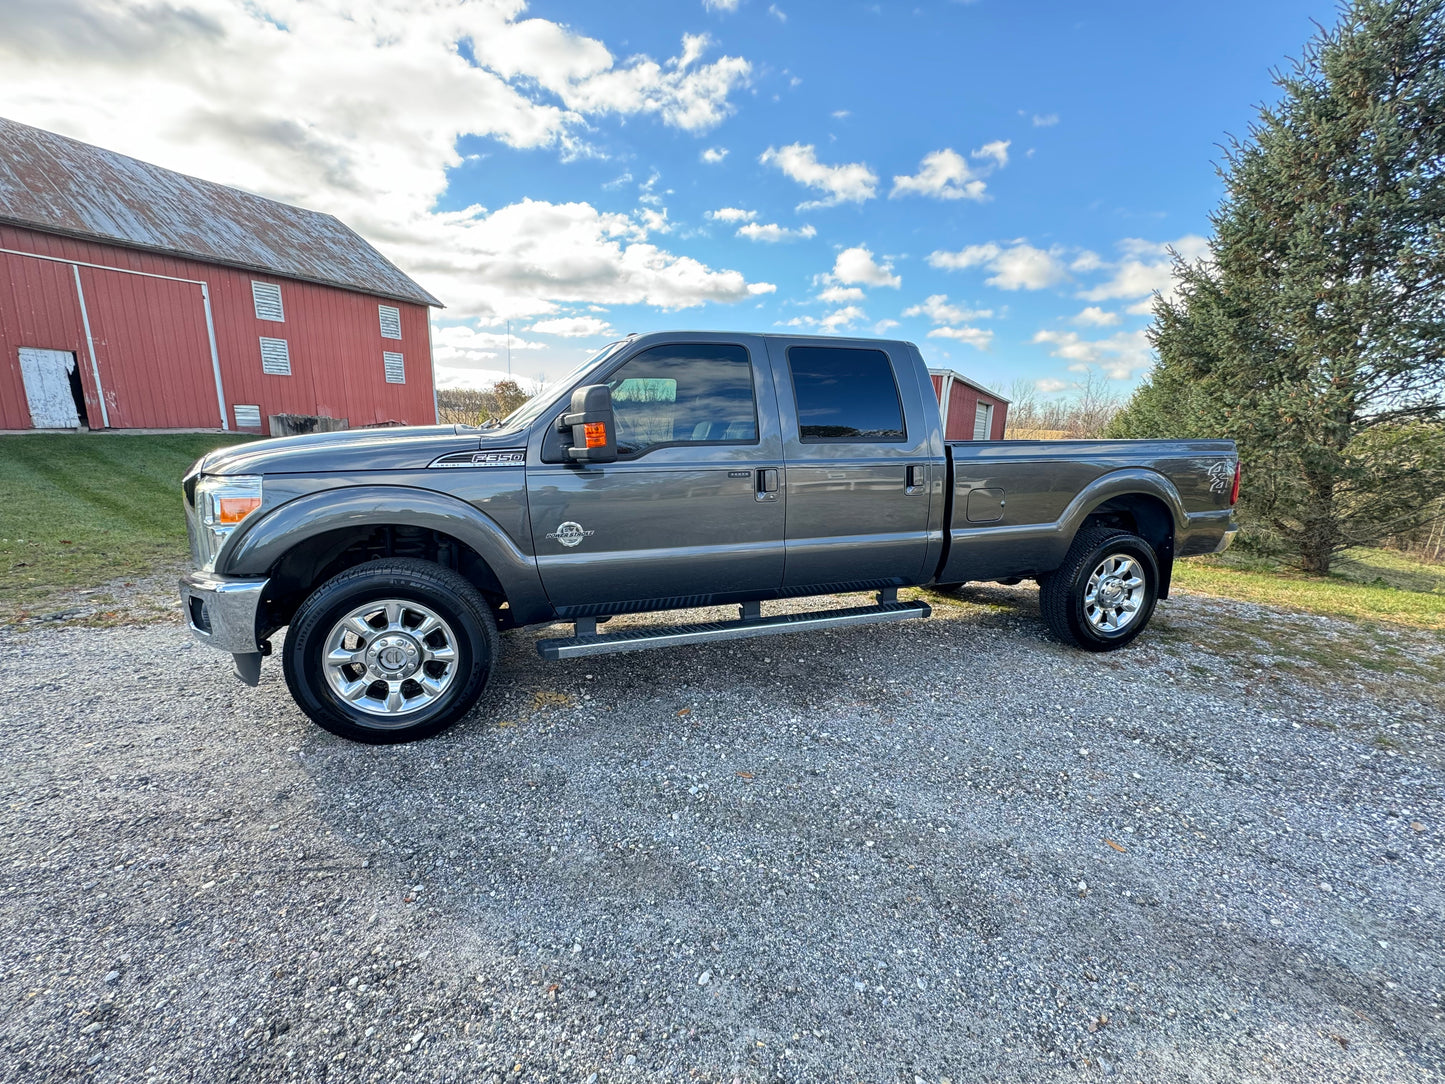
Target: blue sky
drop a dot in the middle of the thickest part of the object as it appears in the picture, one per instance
(995, 181)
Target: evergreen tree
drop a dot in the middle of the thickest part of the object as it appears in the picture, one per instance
(1314, 335)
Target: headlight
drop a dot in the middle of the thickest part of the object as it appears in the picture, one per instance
(222, 502)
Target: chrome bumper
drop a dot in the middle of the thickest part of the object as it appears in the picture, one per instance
(221, 611)
(1228, 539)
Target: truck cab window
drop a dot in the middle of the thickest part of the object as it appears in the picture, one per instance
(845, 394)
(684, 394)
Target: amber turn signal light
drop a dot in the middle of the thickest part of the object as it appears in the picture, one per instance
(232, 510)
(595, 433)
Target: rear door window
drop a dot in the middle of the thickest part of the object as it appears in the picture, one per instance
(845, 395)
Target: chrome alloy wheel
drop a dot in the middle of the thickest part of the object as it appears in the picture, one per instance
(1115, 593)
(390, 658)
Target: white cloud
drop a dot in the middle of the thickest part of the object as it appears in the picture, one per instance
(1121, 356)
(448, 376)
(1096, 317)
(1146, 269)
(777, 13)
(460, 347)
(1024, 267)
(1045, 120)
(939, 311)
(772, 232)
(1019, 267)
(655, 221)
(976, 337)
(714, 155)
(856, 266)
(850, 183)
(1050, 384)
(522, 259)
(946, 174)
(720, 5)
(997, 151)
(756, 288)
(844, 317)
(836, 295)
(1086, 261)
(834, 321)
(574, 327)
(943, 175)
(356, 108)
(842, 114)
(732, 214)
(882, 327)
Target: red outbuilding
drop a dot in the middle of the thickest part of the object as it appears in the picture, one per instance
(133, 297)
(970, 411)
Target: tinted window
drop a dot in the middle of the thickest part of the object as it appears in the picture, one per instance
(844, 394)
(685, 394)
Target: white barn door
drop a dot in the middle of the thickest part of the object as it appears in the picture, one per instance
(47, 387)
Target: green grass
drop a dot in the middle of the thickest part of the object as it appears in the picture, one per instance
(1367, 585)
(80, 510)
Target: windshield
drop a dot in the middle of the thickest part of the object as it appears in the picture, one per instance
(529, 411)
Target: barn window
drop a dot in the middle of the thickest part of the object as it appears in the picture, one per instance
(983, 421)
(275, 357)
(248, 417)
(395, 367)
(390, 321)
(267, 298)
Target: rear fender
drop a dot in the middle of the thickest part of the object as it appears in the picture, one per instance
(989, 553)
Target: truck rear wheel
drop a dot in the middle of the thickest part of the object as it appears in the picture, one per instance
(1104, 593)
(390, 651)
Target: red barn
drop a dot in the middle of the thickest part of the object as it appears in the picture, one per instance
(970, 411)
(132, 297)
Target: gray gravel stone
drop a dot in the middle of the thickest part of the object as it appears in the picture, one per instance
(884, 844)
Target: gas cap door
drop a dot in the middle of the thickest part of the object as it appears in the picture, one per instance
(985, 505)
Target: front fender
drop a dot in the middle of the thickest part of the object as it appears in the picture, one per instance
(271, 537)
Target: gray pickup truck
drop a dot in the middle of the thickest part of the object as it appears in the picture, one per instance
(670, 471)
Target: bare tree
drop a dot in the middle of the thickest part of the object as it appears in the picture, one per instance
(1080, 416)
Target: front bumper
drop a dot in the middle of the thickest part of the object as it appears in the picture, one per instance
(221, 610)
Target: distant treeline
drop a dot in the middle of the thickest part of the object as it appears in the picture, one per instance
(473, 406)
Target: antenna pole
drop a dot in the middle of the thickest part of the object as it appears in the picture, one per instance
(509, 348)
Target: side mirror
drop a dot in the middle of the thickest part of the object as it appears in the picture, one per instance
(594, 428)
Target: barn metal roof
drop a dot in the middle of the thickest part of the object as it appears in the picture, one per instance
(60, 185)
(974, 384)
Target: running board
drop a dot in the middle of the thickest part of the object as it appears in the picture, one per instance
(640, 639)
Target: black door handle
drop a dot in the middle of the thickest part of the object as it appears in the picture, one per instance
(915, 476)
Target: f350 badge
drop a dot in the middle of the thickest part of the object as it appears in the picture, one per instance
(569, 534)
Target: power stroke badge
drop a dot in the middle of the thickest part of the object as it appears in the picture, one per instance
(570, 534)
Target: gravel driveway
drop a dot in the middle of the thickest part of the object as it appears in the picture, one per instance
(941, 850)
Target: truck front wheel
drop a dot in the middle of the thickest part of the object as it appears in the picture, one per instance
(390, 651)
(1104, 593)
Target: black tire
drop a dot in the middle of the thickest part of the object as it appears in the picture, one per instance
(1062, 592)
(467, 627)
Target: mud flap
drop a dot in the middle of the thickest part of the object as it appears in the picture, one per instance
(248, 668)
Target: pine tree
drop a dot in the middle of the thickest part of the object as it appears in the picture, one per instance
(1314, 335)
